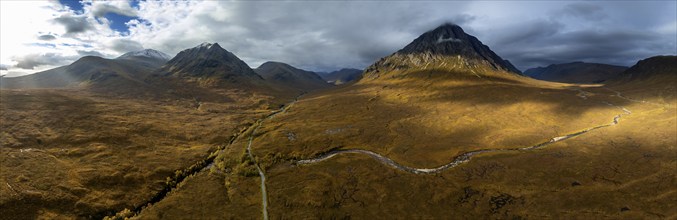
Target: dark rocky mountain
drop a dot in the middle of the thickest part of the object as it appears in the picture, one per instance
(89, 71)
(576, 72)
(287, 75)
(652, 68)
(209, 61)
(446, 47)
(342, 76)
(652, 79)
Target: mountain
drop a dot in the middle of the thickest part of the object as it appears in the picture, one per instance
(209, 60)
(652, 68)
(447, 47)
(285, 74)
(147, 53)
(89, 70)
(576, 72)
(148, 57)
(342, 76)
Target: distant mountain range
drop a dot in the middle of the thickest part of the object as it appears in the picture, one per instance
(342, 76)
(129, 68)
(576, 72)
(446, 48)
(207, 64)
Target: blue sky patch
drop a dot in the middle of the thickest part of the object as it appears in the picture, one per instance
(117, 22)
(74, 5)
(134, 3)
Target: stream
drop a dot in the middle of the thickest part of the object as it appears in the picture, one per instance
(464, 157)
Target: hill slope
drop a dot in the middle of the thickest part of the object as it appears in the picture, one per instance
(284, 74)
(342, 76)
(89, 70)
(653, 67)
(576, 72)
(652, 80)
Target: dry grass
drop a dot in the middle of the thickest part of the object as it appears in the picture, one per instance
(624, 171)
(421, 119)
(77, 154)
(423, 122)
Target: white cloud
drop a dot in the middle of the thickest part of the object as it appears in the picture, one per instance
(100, 8)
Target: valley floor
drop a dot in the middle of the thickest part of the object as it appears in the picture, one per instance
(499, 147)
(383, 151)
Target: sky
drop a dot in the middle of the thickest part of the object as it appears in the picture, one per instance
(330, 35)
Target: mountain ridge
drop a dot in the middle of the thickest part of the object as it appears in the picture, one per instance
(87, 70)
(290, 76)
(576, 72)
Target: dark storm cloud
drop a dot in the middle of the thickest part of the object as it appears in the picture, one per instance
(125, 45)
(324, 36)
(620, 47)
(584, 11)
(321, 36)
(74, 24)
(598, 32)
(34, 60)
(532, 31)
(46, 37)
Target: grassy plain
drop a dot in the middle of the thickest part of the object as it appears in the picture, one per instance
(425, 119)
(71, 153)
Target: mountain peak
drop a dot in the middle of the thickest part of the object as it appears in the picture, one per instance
(207, 60)
(205, 44)
(209, 45)
(149, 53)
(445, 47)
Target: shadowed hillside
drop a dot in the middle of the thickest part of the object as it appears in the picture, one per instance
(576, 72)
(342, 76)
(286, 75)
